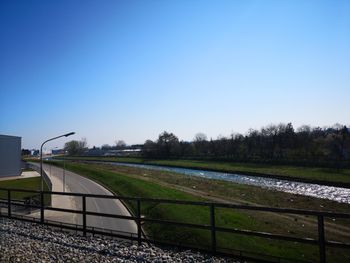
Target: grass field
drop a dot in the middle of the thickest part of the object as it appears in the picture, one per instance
(32, 183)
(313, 174)
(154, 184)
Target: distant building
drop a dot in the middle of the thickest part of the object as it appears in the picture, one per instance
(93, 152)
(57, 151)
(10, 155)
(125, 152)
(110, 153)
(26, 152)
(35, 152)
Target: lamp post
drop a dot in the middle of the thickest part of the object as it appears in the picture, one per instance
(51, 157)
(64, 170)
(41, 155)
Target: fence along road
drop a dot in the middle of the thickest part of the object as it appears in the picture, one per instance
(321, 242)
(75, 183)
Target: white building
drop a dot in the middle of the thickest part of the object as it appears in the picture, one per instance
(10, 155)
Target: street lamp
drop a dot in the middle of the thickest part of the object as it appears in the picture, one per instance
(64, 170)
(51, 157)
(41, 155)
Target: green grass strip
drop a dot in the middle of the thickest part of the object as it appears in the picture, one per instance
(307, 173)
(126, 185)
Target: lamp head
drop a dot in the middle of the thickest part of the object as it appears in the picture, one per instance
(69, 134)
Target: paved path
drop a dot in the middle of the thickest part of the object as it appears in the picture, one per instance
(79, 184)
(26, 174)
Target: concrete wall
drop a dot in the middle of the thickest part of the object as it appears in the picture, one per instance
(10, 155)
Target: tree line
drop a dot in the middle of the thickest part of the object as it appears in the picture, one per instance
(279, 143)
(76, 147)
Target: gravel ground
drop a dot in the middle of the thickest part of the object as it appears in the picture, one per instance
(26, 242)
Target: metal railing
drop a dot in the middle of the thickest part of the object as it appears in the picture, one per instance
(321, 242)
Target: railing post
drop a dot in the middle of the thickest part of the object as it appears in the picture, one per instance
(321, 239)
(138, 214)
(84, 215)
(213, 229)
(30, 204)
(9, 203)
(42, 216)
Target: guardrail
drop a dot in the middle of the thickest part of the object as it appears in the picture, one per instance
(321, 242)
(45, 176)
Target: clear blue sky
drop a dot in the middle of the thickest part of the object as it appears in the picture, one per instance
(129, 70)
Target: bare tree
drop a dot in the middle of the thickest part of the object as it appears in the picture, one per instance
(200, 144)
(106, 147)
(199, 137)
(76, 147)
(120, 144)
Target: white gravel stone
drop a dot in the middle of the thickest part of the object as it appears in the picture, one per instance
(32, 243)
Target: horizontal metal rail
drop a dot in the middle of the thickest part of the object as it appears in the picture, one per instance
(320, 215)
(195, 203)
(267, 235)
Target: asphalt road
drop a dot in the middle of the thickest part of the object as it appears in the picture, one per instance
(79, 184)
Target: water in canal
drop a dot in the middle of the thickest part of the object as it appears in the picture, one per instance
(338, 194)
